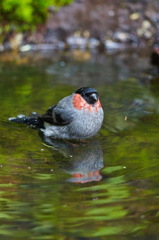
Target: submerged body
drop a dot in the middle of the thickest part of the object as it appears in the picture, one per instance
(78, 116)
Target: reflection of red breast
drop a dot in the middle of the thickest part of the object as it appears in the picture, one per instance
(86, 177)
(79, 103)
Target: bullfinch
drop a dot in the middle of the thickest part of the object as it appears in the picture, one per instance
(77, 116)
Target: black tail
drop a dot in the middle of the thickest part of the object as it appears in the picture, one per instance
(35, 122)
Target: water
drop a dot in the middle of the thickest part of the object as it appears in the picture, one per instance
(104, 188)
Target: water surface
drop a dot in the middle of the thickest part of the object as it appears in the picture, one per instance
(104, 188)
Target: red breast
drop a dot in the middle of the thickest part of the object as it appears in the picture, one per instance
(79, 103)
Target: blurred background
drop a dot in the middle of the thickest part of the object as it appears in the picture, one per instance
(106, 187)
(66, 23)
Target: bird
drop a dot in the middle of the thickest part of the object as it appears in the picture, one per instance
(76, 117)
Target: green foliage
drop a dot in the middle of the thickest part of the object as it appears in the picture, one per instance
(27, 12)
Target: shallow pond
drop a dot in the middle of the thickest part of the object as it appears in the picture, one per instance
(104, 188)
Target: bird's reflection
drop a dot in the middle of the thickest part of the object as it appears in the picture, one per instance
(83, 159)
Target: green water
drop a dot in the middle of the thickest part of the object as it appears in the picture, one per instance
(104, 188)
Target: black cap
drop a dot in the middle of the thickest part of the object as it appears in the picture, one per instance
(86, 91)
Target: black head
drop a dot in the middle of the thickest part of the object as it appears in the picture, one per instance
(90, 95)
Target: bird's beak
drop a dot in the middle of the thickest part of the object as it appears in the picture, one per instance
(94, 97)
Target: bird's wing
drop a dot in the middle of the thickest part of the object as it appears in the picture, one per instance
(60, 114)
(50, 109)
(47, 117)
